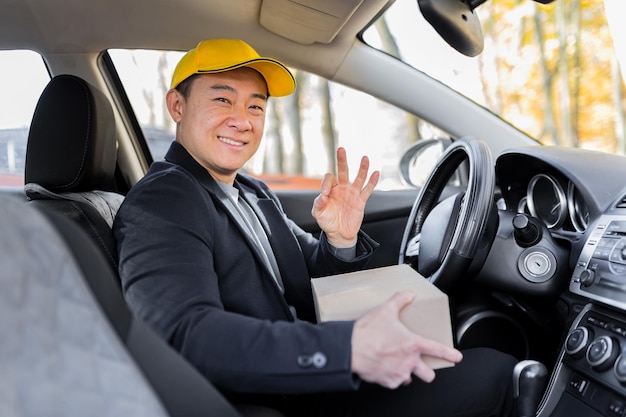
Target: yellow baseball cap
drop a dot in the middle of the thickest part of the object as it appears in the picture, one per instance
(218, 55)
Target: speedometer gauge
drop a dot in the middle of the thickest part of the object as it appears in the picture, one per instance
(546, 200)
(578, 210)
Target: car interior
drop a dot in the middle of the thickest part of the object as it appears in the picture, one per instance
(528, 241)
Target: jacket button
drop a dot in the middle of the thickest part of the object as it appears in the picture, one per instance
(317, 360)
(304, 361)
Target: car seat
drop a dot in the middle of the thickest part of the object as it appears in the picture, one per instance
(71, 158)
(60, 354)
(70, 178)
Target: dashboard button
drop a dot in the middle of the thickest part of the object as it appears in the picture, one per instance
(587, 277)
(602, 352)
(577, 341)
(578, 384)
(619, 369)
(617, 407)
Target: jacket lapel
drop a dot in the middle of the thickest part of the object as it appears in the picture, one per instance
(178, 154)
(291, 262)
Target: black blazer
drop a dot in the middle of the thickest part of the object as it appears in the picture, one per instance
(189, 269)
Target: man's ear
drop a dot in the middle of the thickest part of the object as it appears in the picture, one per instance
(175, 104)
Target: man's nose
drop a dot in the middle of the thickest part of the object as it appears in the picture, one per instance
(240, 119)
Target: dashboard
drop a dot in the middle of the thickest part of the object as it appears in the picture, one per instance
(580, 198)
(563, 187)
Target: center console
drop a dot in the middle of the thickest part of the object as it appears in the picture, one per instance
(590, 376)
(600, 273)
(592, 372)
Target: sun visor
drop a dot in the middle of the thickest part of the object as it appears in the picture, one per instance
(307, 21)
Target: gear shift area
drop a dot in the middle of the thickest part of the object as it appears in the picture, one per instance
(530, 378)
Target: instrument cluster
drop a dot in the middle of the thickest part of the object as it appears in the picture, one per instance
(555, 201)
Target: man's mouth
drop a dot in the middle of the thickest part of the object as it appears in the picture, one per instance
(229, 141)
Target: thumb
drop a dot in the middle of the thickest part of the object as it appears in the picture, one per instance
(320, 200)
(401, 299)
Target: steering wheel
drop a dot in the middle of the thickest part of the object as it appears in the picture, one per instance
(441, 239)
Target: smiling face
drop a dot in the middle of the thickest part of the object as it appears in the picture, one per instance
(221, 121)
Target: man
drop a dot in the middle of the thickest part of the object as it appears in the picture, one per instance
(210, 260)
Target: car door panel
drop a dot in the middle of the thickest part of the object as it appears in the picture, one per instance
(385, 218)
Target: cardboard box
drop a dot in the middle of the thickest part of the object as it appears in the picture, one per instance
(349, 296)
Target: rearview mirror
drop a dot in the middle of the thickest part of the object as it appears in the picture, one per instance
(456, 23)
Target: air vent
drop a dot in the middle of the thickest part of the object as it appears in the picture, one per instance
(621, 203)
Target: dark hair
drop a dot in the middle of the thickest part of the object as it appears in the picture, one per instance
(184, 87)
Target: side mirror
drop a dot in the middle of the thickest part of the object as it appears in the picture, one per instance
(420, 158)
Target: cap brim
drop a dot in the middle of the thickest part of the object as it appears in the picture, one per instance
(280, 81)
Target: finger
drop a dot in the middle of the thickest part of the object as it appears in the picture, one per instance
(342, 166)
(401, 299)
(328, 182)
(423, 371)
(320, 201)
(317, 203)
(439, 350)
(362, 174)
(367, 191)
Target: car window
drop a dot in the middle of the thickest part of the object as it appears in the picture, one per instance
(550, 70)
(23, 76)
(301, 131)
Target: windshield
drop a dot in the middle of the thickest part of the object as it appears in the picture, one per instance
(550, 70)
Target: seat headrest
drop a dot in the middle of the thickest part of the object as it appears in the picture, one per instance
(71, 142)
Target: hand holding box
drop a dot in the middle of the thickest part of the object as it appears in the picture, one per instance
(349, 296)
